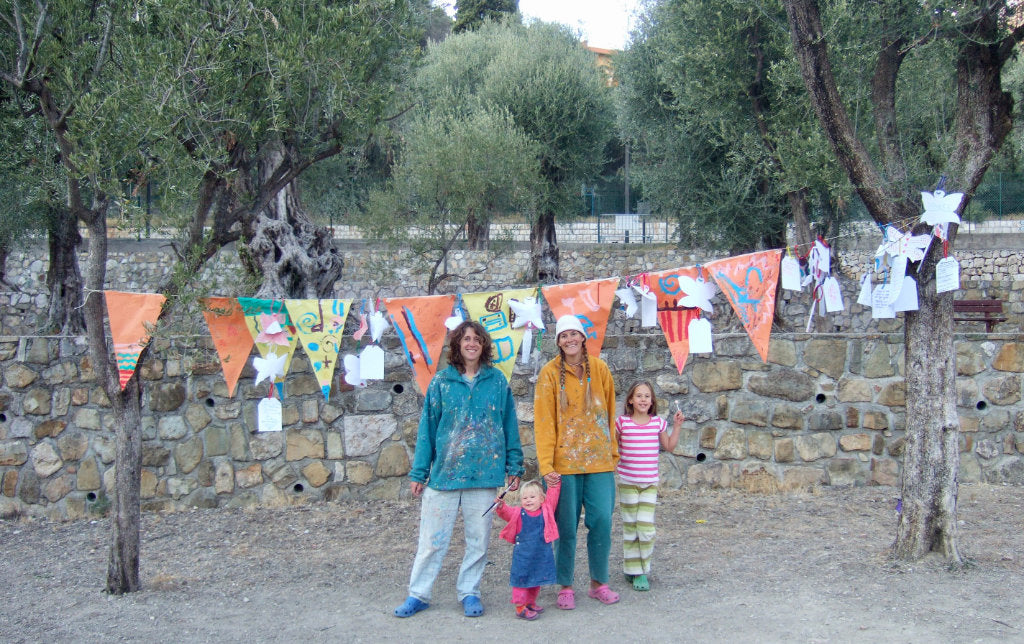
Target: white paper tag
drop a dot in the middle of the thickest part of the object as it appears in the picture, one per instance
(947, 275)
(881, 304)
(864, 299)
(833, 295)
(648, 310)
(907, 300)
(371, 363)
(899, 269)
(700, 336)
(790, 273)
(268, 415)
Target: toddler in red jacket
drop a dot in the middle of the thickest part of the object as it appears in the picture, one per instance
(531, 528)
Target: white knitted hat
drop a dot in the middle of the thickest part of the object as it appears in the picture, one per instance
(568, 323)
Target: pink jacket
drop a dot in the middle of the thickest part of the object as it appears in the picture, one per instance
(547, 509)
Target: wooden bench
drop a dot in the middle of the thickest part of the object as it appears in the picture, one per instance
(988, 311)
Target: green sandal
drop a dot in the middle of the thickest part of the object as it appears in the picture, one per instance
(640, 583)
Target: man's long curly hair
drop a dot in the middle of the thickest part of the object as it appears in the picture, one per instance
(455, 340)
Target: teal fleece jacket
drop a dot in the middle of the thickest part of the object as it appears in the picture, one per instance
(468, 437)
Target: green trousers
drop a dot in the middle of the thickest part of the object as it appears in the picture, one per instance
(594, 493)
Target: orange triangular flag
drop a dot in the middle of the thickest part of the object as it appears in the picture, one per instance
(749, 282)
(674, 319)
(590, 301)
(132, 318)
(419, 323)
(230, 335)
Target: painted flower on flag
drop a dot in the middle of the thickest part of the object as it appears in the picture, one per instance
(272, 330)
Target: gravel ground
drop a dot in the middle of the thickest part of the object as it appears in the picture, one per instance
(729, 566)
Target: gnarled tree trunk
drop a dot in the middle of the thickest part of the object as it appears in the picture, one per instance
(983, 118)
(293, 257)
(63, 278)
(544, 249)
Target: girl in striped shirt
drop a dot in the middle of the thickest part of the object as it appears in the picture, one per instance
(640, 433)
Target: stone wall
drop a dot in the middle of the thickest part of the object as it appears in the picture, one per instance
(825, 409)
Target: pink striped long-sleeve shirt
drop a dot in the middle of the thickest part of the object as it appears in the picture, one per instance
(638, 462)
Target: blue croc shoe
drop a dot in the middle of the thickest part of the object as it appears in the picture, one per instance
(410, 607)
(472, 607)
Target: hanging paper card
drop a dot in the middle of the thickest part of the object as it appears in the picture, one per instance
(371, 363)
(820, 259)
(790, 273)
(833, 295)
(268, 415)
(881, 304)
(132, 318)
(700, 336)
(591, 302)
(319, 324)
(230, 336)
(648, 306)
(271, 328)
(419, 323)
(492, 311)
(864, 299)
(673, 316)
(907, 299)
(947, 275)
(748, 282)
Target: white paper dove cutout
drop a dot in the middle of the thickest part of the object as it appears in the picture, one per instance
(698, 293)
(270, 367)
(940, 208)
(352, 371)
(648, 305)
(897, 243)
(528, 314)
(378, 325)
(627, 299)
(454, 321)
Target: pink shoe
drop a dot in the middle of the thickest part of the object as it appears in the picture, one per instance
(604, 594)
(566, 599)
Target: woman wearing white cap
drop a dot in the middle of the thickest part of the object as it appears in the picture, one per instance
(574, 411)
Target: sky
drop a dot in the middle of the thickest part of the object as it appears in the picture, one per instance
(602, 23)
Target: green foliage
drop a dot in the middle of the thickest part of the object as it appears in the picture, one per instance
(721, 123)
(548, 84)
(471, 14)
(455, 168)
(724, 130)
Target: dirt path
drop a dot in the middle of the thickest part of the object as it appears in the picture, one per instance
(728, 566)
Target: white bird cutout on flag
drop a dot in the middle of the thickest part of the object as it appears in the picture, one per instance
(898, 243)
(940, 208)
(270, 367)
(528, 314)
(698, 293)
(627, 300)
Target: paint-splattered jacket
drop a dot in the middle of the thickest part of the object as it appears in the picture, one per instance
(575, 440)
(468, 438)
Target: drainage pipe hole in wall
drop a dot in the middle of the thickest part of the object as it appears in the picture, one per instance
(298, 487)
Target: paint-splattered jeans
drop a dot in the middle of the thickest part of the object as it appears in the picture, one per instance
(438, 512)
